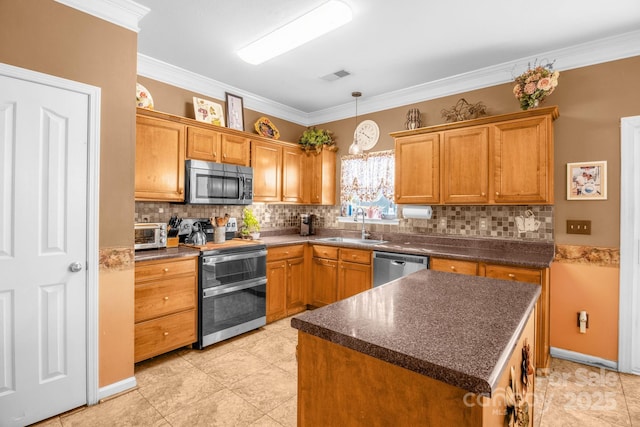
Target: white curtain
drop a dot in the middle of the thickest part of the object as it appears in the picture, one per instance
(367, 176)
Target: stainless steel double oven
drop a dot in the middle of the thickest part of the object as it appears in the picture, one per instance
(233, 290)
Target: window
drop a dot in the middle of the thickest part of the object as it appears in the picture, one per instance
(367, 181)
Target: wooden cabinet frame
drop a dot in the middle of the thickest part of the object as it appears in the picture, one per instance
(505, 159)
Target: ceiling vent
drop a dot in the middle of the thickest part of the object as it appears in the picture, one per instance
(335, 76)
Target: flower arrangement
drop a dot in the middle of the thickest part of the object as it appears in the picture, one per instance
(535, 84)
(316, 139)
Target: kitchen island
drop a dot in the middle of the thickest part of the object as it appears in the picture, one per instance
(431, 348)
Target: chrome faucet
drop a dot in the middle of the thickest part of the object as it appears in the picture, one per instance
(359, 211)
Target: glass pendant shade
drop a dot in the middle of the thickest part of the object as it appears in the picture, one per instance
(355, 147)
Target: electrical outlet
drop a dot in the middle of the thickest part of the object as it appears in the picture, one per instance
(575, 226)
(482, 224)
(145, 219)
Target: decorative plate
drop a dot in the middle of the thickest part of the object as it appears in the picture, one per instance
(208, 112)
(264, 127)
(143, 97)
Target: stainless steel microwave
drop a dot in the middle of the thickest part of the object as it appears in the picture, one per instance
(212, 183)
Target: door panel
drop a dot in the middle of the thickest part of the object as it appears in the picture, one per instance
(43, 231)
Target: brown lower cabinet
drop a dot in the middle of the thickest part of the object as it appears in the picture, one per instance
(286, 276)
(519, 274)
(165, 305)
(338, 273)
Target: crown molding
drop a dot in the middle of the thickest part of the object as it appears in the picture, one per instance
(603, 50)
(124, 13)
(176, 76)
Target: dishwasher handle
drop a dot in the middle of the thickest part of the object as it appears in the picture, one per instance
(396, 262)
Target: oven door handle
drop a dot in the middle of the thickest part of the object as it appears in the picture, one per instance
(221, 290)
(215, 259)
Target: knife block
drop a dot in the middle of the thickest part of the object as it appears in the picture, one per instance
(172, 242)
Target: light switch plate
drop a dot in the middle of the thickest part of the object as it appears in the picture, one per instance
(575, 226)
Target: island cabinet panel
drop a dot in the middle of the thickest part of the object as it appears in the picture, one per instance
(165, 306)
(417, 178)
(454, 266)
(286, 274)
(351, 388)
(523, 159)
(160, 154)
(266, 160)
(465, 171)
(293, 169)
(320, 178)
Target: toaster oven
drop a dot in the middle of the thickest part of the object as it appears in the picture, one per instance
(150, 235)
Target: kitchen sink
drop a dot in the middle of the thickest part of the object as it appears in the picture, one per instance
(351, 240)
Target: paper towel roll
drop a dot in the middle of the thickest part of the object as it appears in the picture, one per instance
(418, 212)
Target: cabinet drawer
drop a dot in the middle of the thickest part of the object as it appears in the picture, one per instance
(165, 268)
(355, 255)
(164, 334)
(285, 252)
(153, 299)
(320, 251)
(454, 266)
(518, 274)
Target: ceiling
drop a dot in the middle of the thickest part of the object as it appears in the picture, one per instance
(388, 48)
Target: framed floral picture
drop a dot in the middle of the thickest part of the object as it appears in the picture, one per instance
(235, 112)
(587, 181)
(208, 111)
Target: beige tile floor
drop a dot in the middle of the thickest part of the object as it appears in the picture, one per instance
(251, 381)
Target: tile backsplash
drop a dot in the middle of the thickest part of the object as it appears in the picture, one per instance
(501, 221)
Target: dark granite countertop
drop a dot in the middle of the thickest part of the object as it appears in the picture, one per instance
(509, 252)
(154, 254)
(454, 328)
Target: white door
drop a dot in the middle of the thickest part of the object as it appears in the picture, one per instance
(43, 250)
(629, 325)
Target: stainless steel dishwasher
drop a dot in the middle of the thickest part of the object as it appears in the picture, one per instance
(388, 266)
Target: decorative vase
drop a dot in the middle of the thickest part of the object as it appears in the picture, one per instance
(413, 119)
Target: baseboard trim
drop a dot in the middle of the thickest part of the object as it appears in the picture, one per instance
(117, 387)
(585, 359)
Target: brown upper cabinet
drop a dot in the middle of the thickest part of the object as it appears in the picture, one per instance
(506, 159)
(266, 160)
(214, 146)
(284, 173)
(159, 160)
(417, 169)
(320, 178)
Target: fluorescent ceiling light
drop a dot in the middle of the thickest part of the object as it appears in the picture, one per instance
(313, 24)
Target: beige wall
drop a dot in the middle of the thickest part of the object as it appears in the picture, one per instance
(174, 100)
(576, 287)
(591, 101)
(51, 38)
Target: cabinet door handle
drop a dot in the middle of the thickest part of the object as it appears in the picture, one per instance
(497, 193)
(224, 155)
(165, 333)
(453, 268)
(166, 298)
(512, 276)
(215, 154)
(482, 194)
(166, 269)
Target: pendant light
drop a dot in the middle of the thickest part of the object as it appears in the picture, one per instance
(355, 147)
